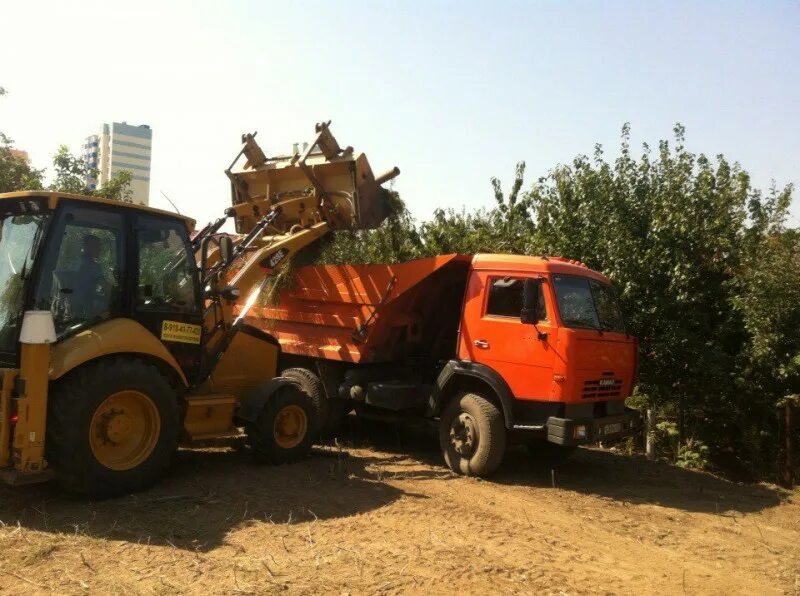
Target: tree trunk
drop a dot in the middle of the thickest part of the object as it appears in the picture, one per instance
(649, 429)
(787, 478)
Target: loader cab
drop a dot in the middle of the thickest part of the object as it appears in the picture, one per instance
(91, 260)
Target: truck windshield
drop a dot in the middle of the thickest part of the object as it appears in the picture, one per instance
(19, 238)
(586, 303)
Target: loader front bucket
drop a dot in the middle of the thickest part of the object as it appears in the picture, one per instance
(325, 182)
(373, 202)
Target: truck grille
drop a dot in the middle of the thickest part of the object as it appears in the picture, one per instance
(602, 388)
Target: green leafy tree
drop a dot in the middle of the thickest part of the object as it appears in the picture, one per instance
(669, 229)
(768, 299)
(72, 172)
(15, 173)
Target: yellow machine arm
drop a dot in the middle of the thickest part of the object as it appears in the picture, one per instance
(280, 206)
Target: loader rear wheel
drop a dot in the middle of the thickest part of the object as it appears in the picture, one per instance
(283, 432)
(472, 435)
(112, 427)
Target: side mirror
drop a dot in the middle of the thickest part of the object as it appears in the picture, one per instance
(226, 249)
(530, 300)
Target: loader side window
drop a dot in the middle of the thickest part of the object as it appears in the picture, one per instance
(167, 271)
(83, 272)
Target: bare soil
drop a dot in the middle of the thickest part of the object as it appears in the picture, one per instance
(385, 516)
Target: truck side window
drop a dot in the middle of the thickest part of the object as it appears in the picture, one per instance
(167, 271)
(505, 298)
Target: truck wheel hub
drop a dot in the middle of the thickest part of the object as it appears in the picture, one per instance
(463, 434)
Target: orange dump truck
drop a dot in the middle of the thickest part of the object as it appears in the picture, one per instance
(497, 348)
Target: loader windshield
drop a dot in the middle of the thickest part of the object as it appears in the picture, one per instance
(20, 235)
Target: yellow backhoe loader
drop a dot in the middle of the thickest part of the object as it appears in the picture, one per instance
(118, 334)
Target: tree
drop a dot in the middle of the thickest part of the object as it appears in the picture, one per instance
(768, 300)
(15, 173)
(72, 174)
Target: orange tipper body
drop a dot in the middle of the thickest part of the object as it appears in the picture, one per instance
(401, 336)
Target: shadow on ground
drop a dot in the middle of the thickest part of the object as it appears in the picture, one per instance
(209, 492)
(206, 494)
(596, 472)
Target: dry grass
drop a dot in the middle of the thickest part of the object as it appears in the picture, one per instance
(375, 520)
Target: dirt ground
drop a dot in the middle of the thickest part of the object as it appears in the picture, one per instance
(385, 516)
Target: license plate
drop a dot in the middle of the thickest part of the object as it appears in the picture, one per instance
(610, 429)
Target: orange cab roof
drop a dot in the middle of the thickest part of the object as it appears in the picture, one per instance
(526, 264)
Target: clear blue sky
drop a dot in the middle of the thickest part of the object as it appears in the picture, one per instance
(452, 92)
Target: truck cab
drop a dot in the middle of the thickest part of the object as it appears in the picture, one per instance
(569, 364)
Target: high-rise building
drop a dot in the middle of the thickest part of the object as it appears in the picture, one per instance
(121, 146)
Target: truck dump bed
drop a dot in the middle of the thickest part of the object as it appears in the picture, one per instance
(369, 313)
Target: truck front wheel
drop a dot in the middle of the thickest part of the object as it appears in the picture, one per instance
(472, 435)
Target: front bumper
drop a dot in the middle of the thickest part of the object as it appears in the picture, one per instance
(580, 431)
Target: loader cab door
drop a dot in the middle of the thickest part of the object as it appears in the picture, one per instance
(167, 287)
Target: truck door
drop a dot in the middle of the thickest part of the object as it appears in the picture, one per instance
(167, 295)
(493, 334)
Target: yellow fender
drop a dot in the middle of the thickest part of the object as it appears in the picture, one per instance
(117, 336)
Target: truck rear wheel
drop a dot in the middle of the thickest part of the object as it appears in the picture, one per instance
(312, 385)
(330, 412)
(472, 435)
(283, 432)
(112, 427)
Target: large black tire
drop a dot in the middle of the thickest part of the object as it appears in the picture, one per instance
(312, 385)
(549, 455)
(330, 411)
(73, 403)
(271, 446)
(472, 435)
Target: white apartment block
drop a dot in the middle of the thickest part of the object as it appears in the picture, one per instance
(119, 147)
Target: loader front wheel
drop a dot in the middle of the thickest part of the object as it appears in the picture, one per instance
(112, 427)
(284, 431)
